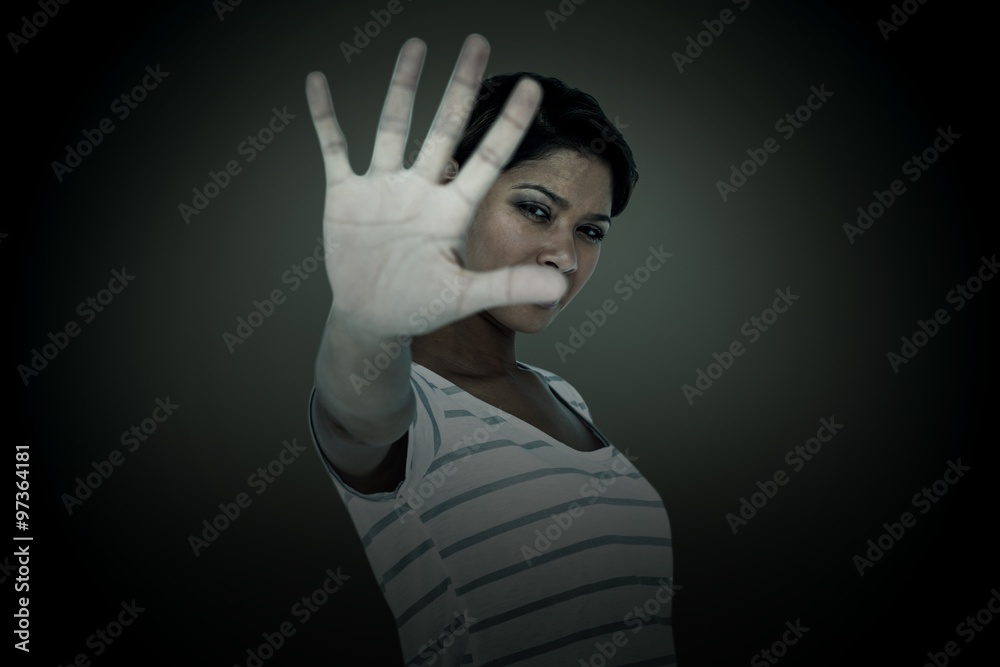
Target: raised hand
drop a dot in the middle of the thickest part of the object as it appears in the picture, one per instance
(395, 237)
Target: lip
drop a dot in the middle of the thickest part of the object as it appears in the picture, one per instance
(548, 306)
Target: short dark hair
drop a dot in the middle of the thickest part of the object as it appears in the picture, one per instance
(566, 118)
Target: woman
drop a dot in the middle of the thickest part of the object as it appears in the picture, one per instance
(501, 525)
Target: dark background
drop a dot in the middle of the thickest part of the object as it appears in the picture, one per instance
(162, 336)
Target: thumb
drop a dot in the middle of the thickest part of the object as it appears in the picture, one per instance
(510, 286)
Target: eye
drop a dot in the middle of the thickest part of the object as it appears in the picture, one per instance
(533, 211)
(593, 233)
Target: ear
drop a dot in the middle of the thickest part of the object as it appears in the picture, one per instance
(450, 170)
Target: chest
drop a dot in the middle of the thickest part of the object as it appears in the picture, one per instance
(540, 408)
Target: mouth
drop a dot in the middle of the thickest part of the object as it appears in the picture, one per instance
(548, 306)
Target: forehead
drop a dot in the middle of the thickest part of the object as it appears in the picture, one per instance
(583, 180)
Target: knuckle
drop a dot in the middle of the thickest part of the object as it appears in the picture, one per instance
(508, 117)
(334, 146)
(395, 124)
(490, 155)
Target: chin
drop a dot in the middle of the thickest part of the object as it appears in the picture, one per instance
(525, 318)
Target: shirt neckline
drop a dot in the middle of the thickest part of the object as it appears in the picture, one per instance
(465, 397)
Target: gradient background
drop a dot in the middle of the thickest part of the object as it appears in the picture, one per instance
(827, 356)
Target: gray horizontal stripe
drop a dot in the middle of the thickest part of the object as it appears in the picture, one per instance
(401, 564)
(384, 523)
(583, 545)
(542, 514)
(405, 508)
(511, 481)
(470, 450)
(494, 420)
(432, 648)
(572, 638)
(448, 414)
(430, 414)
(425, 600)
(453, 389)
(616, 582)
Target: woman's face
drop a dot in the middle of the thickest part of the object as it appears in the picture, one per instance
(551, 212)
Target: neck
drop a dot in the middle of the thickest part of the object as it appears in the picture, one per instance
(477, 347)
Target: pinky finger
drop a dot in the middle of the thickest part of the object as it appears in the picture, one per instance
(331, 139)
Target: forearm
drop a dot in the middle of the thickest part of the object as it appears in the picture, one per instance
(373, 410)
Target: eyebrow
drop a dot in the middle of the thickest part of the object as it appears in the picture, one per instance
(593, 217)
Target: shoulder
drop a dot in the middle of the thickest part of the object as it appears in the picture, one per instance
(562, 386)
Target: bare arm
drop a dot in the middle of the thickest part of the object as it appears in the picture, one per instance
(357, 420)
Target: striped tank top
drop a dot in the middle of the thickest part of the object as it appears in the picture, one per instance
(503, 546)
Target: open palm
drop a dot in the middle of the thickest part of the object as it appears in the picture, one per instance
(395, 237)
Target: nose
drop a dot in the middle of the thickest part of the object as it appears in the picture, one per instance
(559, 252)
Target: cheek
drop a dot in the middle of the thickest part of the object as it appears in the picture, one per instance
(492, 242)
(474, 242)
(587, 266)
